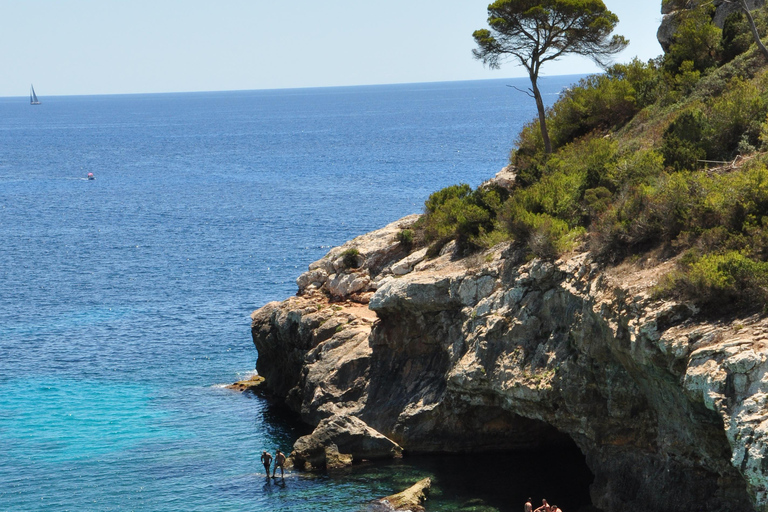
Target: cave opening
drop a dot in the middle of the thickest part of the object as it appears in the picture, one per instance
(505, 479)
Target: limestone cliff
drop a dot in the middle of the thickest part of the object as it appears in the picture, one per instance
(496, 352)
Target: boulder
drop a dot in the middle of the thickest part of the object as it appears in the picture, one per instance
(505, 178)
(410, 499)
(315, 278)
(345, 439)
(344, 285)
(406, 264)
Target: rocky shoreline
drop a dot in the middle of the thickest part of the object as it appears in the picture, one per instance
(397, 353)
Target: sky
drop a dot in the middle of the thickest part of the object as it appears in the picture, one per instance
(76, 47)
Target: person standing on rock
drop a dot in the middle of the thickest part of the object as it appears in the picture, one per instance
(279, 462)
(266, 459)
(528, 506)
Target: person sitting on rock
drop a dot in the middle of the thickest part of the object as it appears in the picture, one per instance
(544, 507)
(266, 459)
(555, 508)
(279, 462)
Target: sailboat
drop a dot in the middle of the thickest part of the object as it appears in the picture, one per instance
(32, 96)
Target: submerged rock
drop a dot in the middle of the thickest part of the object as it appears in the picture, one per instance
(409, 500)
(248, 384)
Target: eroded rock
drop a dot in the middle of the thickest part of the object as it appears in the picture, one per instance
(339, 440)
(247, 385)
(409, 500)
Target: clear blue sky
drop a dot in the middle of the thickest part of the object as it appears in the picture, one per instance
(136, 46)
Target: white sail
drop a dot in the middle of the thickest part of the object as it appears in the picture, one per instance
(32, 96)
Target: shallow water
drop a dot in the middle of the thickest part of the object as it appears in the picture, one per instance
(124, 301)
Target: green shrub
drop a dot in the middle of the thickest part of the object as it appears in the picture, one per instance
(544, 235)
(602, 102)
(636, 168)
(405, 237)
(459, 213)
(442, 196)
(351, 258)
(696, 39)
(682, 145)
(687, 77)
(597, 200)
(646, 79)
(717, 280)
(675, 203)
(744, 202)
(625, 227)
(735, 115)
(736, 37)
(487, 239)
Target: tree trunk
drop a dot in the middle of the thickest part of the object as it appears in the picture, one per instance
(542, 114)
(760, 45)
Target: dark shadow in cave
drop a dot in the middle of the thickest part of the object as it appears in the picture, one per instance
(504, 479)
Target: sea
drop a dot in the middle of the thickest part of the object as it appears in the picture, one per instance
(125, 300)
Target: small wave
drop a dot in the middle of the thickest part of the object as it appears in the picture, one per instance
(239, 376)
(247, 374)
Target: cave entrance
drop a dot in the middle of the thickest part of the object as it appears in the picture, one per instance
(504, 480)
(504, 459)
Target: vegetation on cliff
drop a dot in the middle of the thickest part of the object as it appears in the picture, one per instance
(664, 155)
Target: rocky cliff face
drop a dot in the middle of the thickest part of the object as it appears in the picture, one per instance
(496, 352)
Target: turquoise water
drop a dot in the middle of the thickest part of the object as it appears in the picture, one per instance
(124, 301)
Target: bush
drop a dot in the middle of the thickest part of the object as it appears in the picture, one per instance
(459, 213)
(687, 77)
(676, 203)
(405, 237)
(351, 258)
(442, 196)
(636, 168)
(625, 227)
(645, 78)
(682, 145)
(717, 280)
(597, 200)
(736, 38)
(735, 115)
(696, 39)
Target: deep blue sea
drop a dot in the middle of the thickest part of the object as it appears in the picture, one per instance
(124, 301)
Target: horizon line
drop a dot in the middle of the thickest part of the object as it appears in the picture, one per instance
(298, 88)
